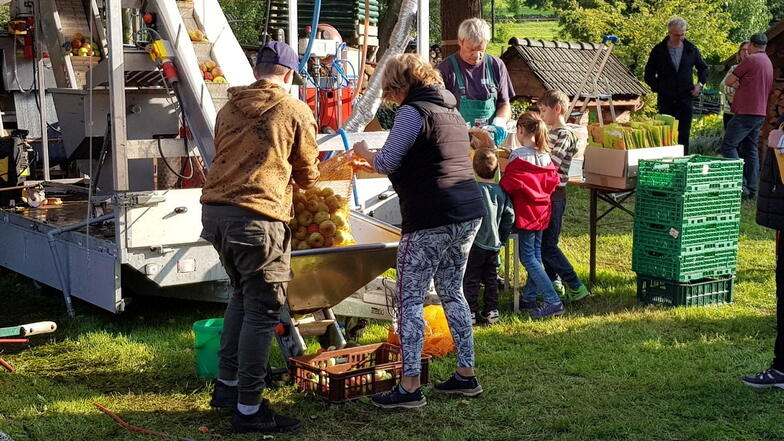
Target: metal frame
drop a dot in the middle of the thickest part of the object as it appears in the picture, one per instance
(34, 247)
(615, 198)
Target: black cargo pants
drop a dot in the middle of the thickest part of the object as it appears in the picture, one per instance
(256, 253)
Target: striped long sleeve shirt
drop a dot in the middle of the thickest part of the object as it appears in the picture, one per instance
(563, 146)
(408, 123)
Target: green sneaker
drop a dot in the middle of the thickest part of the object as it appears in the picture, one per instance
(577, 294)
(558, 286)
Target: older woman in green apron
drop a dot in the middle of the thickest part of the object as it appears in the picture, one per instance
(479, 81)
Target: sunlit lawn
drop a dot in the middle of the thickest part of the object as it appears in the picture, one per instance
(610, 369)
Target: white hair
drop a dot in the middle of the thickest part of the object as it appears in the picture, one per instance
(677, 23)
(475, 30)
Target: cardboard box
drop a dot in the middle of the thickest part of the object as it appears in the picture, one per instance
(576, 168)
(618, 168)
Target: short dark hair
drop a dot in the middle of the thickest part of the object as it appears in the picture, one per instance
(485, 163)
(266, 69)
(553, 98)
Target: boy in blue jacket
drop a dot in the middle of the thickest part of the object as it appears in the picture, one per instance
(482, 267)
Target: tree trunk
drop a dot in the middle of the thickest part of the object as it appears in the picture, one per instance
(385, 25)
(453, 12)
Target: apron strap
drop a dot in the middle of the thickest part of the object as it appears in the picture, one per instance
(489, 73)
(458, 75)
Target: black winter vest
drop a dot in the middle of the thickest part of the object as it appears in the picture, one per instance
(770, 201)
(435, 182)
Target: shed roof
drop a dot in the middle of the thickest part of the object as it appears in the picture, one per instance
(562, 65)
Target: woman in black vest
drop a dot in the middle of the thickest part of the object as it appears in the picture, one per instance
(427, 159)
(770, 213)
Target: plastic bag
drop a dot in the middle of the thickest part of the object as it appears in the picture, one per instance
(438, 338)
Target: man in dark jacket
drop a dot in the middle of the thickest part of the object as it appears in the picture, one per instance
(770, 213)
(669, 72)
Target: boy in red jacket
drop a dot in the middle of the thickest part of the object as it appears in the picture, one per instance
(530, 179)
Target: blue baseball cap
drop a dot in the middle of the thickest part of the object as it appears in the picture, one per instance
(280, 53)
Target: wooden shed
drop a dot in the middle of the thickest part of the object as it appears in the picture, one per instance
(775, 51)
(536, 66)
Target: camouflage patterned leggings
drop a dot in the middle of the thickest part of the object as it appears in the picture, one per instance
(438, 254)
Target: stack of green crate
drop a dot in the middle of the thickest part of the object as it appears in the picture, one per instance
(343, 15)
(686, 228)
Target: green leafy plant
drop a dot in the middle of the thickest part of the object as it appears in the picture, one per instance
(518, 108)
(706, 135)
(503, 32)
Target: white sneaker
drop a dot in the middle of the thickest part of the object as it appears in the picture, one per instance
(492, 317)
(473, 318)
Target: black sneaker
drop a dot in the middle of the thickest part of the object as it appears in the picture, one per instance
(399, 398)
(765, 379)
(468, 387)
(263, 421)
(224, 397)
(529, 305)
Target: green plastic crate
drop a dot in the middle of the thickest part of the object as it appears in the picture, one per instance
(705, 292)
(692, 173)
(668, 208)
(685, 239)
(685, 267)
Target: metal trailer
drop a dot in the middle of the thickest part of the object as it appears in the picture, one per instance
(117, 117)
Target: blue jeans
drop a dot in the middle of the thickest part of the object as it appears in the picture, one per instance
(555, 262)
(530, 251)
(740, 141)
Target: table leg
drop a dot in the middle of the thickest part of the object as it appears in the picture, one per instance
(516, 270)
(507, 280)
(592, 233)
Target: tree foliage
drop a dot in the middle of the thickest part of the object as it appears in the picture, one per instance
(641, 24)
(250, 19)
(749, 17)
(514, 7)
(776, 8)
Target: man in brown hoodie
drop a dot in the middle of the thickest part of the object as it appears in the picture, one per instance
(264, 138)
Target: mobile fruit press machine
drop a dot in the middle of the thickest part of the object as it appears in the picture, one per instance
(126, 125)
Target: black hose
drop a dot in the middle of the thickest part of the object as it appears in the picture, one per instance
(190, 159)
(104, 152)
(265, 36)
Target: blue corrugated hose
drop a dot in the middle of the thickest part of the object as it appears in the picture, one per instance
(313, 30)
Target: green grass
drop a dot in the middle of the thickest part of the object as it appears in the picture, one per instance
(527, 11)
(542, 30)
(610, 369)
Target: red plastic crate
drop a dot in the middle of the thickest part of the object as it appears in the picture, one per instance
(351, 373)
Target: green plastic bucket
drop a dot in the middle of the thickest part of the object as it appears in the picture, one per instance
(206, 343)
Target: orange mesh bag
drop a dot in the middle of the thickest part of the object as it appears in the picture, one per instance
(321, 213)
(438, 338)
(338, 172)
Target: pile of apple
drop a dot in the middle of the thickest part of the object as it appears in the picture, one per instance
(211, 72)
(320, 220)
(80, 46)
(197, 35)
